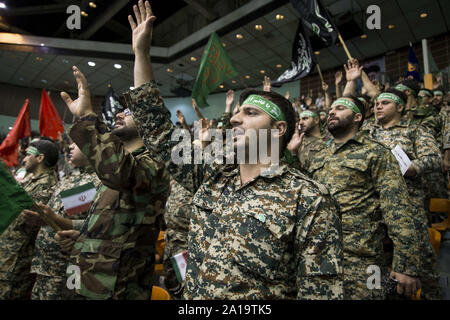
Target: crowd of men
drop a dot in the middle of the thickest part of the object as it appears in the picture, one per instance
(310, 226)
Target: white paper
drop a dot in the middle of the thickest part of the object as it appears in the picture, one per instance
(402, 158)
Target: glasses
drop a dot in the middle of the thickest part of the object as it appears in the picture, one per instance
(127, 112)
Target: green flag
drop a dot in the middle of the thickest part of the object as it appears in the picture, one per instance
(215, 68)
(433, 66)
(13, 198)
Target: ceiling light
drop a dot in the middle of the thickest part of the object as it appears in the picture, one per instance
(423, 15)
(258, 27)
(224, 44)
(262, 71)
(233, 81)
(279, 17)
(316, 53)
(364, 36)
(279, 65)
(42, 44)
(109, 85)
(84, 14)
(117, 66)
(169, 70)
(391, 26)
(193, 59)
(239, 36)
(247, 77)
(221, 86)
(91, 63)
(92, 5)
(44, 81)
(2, 5)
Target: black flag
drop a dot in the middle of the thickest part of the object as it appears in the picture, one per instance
(302, 61)
(316, 18)
(111, 107)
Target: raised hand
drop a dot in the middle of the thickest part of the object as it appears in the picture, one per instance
(287, 95)
(230, 98)
(324, 87)
(338, 77)
(142, 29)
(308, 101)
(352, 70)
(82, 105)
(266, 84)
(180, 116)
(296, 140)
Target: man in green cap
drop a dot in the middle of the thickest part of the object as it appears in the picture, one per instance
(364, 178)
(258, 230)
(17, 242)
(422, 149)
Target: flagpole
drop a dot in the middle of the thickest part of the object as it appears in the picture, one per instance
(46, 219)
(320, 74)
(427, 77)
(345, 47)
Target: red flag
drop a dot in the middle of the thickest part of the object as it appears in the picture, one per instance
(49, 121)
(9, 149)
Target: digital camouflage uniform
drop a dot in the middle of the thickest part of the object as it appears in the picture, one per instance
(308, 149)
(17, 242)
(420, 146)
(49, 262)
(364, 178)
(177, 217)
(276, 237)
(116, 248)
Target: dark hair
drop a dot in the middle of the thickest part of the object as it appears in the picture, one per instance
(360, 106)
(49, 150)
(284, 104)
(428, 90)
(412, 84)
(399, 94)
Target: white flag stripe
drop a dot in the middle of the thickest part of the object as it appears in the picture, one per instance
(79, 199)
(181, 263)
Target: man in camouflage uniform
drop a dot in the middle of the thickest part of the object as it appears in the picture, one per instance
(49, 262)
(313, 139)
(177, 217)
(420, 146)
(115, 250)
(17, 242)
(256, 232)
(365, 180)
(426, 113)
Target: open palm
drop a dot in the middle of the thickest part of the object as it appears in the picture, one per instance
(142, 29)
(82, 105)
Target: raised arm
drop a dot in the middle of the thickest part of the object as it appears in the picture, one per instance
(197, 110)
(371, 89)
(182, 120)
(352, 72)
(327, 96)
(337, 82)
(266, 84)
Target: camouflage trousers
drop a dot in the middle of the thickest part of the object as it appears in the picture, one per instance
(47, 288)
(357, 277)
(19, 289)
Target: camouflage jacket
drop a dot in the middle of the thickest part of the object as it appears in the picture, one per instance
(17, 241)
(116, 248)
(428, 117)
(309, 147)
(446, 134)
(48, 259)
(420, 146)
(276, 237)
(365, 179)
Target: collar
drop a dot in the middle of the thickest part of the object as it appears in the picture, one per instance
(138, 151)
(403, 124)
(358, 138)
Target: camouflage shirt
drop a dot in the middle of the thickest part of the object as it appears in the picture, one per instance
(17, 241)
(48, 259)
(428, 117)
(275, 237)
(420, 146)
(116, 248)
(309, 147)
(365, 179)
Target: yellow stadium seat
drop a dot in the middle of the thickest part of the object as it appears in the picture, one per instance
(159, 293)
(160, 244)
(440, 205)
(435, 239)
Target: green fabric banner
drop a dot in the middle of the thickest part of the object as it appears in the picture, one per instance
(13, 198)
(215, 68)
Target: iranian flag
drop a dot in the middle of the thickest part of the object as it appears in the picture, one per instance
(78, 199)
(179, 262)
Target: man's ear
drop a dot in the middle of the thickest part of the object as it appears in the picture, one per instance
(317, 120)
(281, 126)
(40, 158)
(358, 117)
(399, 107)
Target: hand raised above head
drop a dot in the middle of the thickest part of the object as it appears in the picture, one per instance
(142, 28)
(82, 105)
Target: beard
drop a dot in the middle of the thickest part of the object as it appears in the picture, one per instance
(341, 125)
(125, 133)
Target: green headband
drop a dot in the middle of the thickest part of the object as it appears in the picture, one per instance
(391, 97)
(438, 93)
(346, 103)
(403, 88)
(362, 99)
(32, 150)
(308, 114)
(323, 113)
(267, 106)
(427, 93)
